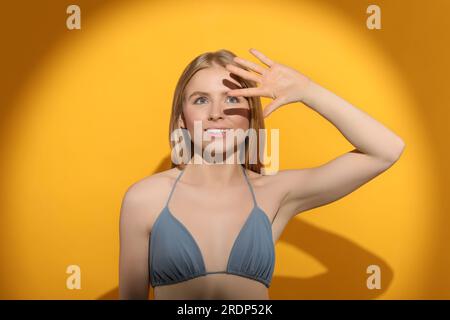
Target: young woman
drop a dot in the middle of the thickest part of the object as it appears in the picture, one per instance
(207, 230)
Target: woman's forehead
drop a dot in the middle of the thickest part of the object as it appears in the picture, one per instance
(212, 79)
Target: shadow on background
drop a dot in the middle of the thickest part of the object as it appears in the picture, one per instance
(346, 264)
(29, 34)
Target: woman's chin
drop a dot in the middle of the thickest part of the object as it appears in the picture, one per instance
(217, 150)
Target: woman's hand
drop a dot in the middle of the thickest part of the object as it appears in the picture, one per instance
(279, 82)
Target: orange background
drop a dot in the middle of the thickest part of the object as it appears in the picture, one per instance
(84, 113)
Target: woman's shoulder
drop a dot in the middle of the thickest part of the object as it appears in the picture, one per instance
(145, 198)
(154, 182)
(259, 179)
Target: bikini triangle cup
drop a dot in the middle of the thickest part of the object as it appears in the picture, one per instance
(175, 255)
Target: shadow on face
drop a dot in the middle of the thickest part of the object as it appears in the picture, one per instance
(206, 101)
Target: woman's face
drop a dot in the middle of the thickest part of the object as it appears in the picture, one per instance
(206, 101)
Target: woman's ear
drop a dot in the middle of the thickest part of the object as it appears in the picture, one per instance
(181, 123)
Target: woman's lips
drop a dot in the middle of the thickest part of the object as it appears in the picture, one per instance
(217, 132)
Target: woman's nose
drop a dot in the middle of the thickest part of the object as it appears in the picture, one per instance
(215, 116)
(215, 112)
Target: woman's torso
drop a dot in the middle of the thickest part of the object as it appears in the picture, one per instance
(215, 226)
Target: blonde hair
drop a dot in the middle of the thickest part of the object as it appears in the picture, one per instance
(203, 61)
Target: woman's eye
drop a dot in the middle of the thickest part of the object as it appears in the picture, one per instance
(195, 102)
(236, 99)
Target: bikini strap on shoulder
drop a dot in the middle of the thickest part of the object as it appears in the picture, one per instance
(173, 187)
(250, 185)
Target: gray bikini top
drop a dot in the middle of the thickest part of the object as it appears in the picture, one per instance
(175, 255)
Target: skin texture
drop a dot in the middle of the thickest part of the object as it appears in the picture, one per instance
(216, 223)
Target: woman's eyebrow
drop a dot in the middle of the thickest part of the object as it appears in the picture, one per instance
(204, 93)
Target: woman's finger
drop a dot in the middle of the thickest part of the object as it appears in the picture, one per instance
(251, 65)
(247, 92)
(262, 57)
(243, 73)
